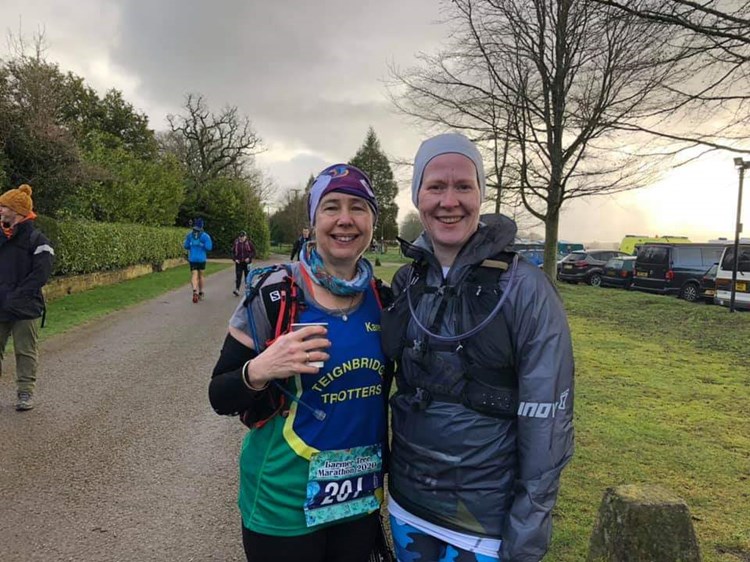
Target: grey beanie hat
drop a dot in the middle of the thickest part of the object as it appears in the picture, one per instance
(448, 143)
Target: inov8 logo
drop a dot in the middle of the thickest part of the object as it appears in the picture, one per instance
(543, 409)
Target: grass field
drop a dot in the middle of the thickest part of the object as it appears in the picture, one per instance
(662, 394)
(79, 308)
(662, 388)
(391, 255)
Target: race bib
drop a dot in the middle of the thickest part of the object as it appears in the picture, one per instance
(343, 483)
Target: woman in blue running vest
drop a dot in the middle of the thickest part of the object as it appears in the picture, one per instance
(311, 475)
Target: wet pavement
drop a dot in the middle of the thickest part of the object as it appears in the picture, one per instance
(123, 458)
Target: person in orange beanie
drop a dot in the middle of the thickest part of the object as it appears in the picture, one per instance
(25, 265)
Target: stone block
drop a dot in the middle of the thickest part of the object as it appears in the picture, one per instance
(643, 523)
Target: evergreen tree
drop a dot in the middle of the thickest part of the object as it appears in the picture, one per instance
(371, 159)
(227, 206)
(287, 223)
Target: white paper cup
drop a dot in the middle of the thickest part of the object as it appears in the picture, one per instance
(298, 326)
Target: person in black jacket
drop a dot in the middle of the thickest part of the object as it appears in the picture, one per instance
(298, 243)
(25, 265)
(243, 253)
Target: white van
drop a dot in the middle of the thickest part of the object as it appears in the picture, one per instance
(724, 278)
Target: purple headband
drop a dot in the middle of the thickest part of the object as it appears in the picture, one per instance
(344, 179)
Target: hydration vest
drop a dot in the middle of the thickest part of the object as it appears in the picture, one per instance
(283, 300)
(476, 366)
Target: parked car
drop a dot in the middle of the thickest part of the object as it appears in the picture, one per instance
(674, 269)
(558, 265)
(531, 250)
(708, 284)
(618, 272)
(742, 282)
(533, 255)
(586, 266)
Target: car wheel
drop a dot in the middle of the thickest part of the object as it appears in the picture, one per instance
(595, 280)
(689, 292)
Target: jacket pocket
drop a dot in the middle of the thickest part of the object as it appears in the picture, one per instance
(426, 469)
(24, 305)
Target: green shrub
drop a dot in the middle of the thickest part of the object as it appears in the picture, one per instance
(85, 247)
(49, 227)
(125, 188)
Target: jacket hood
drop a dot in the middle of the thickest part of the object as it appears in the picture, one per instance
(495, 234)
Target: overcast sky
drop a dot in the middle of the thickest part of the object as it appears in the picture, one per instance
(310, 75)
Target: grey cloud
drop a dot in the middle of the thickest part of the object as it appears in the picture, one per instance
(308, 74)
(253, 54)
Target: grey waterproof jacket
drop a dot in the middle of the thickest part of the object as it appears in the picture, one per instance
(489, 476)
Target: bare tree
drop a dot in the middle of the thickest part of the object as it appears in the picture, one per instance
(438, 93)
(723, 26)
(36, 145)
(262, 185)
(212, 145)
(546, 87)
(710, 110)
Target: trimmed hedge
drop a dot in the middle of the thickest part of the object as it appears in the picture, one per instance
(86, 247)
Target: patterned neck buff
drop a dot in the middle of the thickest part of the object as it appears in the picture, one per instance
(313, 264)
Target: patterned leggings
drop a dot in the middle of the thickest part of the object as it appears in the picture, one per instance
(413, 545)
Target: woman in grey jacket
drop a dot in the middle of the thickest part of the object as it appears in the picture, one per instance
(483, 416)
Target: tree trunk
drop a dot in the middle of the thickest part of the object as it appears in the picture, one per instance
(550, 243)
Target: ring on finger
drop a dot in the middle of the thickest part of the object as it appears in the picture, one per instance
(307, 356)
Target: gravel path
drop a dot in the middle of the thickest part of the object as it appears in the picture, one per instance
(123, 458)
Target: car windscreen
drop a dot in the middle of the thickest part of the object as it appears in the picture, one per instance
(619, 263)
(575, 256)
(712, 255)
(743, 263)
(653, 254)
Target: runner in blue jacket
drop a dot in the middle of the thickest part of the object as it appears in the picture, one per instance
(198, 243)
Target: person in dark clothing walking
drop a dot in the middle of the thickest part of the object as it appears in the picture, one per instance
(25, 265)
(298, 243)
(243, 252)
